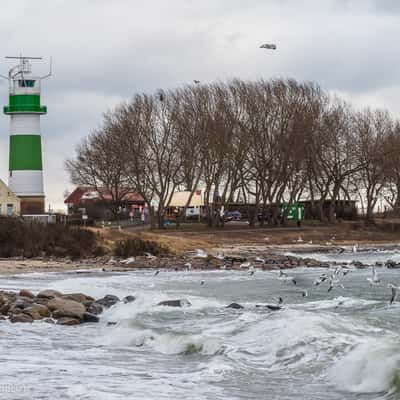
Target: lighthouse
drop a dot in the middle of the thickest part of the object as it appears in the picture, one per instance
(25, 157)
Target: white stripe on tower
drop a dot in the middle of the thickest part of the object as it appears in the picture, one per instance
(24, 124)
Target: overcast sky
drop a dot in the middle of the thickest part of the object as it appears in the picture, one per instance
(105, 51)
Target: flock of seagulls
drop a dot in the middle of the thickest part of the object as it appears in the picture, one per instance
(332, 279)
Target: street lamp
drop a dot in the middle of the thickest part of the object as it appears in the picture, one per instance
(268, 46)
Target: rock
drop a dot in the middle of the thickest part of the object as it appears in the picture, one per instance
(37, 311)
(79, 297)
(5, 308)
(88, 317)
(22, 303)
(175, 303)
(20, 318)
(236, 306)
(49, 294)
(108, 300)
(26, 293)
(66, 308)
(95, 309)
(68, 321)
(2, 317)
(129, 299)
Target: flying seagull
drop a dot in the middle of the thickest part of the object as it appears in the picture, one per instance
(374, 281)
(286, 278)
(269, 46)
(394, 293)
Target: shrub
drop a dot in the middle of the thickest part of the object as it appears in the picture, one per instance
(33, 239)
(137, 247)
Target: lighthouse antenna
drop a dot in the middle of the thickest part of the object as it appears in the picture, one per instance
(23, 57)
(50, 70)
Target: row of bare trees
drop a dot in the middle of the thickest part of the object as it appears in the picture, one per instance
(260, 143)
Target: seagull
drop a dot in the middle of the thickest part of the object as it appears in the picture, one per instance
(201, 253)
(269, 46)
(341, 250)
(285, 278)
(252, 270)
(334, 283)
(220, 256)
(355, 248)
(321, 279)
(188, 265)
(394, 293)
(259, 260)
(202, 283)
(299, 240)
(157, 272)
(304, 293)
(374, 281)
(128, 260)
(149, 256)
(196, 81)
(277, 306)
(245, 265)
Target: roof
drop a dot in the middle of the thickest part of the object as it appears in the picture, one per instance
(90, 193)
(179, 199)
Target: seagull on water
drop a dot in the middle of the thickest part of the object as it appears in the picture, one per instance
(277, 306)
(157, 272)
(374, 281)
(305, 293)
(252, 270)
(202, 283)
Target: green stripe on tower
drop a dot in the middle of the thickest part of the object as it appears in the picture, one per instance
(25, 153)
(25, 103)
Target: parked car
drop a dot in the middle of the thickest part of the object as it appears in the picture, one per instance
(233, 216)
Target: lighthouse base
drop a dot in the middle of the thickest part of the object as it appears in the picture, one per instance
(32, 205)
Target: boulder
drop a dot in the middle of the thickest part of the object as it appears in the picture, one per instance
(20, 318)
(108, 300)
(236, 306)
(37, 311)
(79, 297)
(175, 303)
(26, 293)
(66, 308)
(5, 308)
(88, 317)
(129, 299)
(68, 321)
(49, 294)
(95, 309)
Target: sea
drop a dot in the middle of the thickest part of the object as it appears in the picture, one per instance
(342, 344)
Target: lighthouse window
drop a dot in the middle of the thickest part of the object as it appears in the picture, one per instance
(26, 83)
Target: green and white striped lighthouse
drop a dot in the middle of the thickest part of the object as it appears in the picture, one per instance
(25, 159)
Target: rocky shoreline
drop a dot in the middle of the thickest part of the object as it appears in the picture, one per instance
(52, 306)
